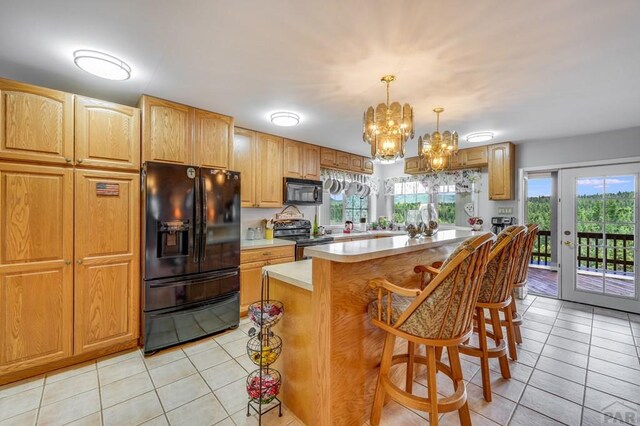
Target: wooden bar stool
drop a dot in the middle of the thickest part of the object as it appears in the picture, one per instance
(495, 296)
(522, 274)
(439, 316)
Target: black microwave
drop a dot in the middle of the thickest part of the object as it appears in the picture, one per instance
(302, 192)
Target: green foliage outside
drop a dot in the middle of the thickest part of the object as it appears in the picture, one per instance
(611, 217)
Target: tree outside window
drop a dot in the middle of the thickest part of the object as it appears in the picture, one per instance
(344, 208)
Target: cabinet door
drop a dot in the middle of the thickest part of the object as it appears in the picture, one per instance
(328, 157)
(476, 156)
(343, 160)
(293, 159)
(368, 165)
(250, 283)
(413, 165)
(107, 259)
(356, 163)
(107, 134)
(501, 169)
(244, 161)
(269, 182)
(36, 269)
(213, 139)
(167, 131)
(311, 165)
(36, 124)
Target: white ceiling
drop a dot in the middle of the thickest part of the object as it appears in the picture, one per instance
(524, 69)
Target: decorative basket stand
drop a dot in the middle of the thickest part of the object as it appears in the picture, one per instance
(264, 348)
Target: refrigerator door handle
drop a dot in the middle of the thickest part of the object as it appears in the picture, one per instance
(205, 209)
(196, 228)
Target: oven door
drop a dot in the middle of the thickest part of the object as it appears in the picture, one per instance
(302, 192)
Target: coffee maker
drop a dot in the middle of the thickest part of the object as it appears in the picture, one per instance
(498, 223)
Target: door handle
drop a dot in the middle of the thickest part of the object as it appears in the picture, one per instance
(568, 243)
(204, 231)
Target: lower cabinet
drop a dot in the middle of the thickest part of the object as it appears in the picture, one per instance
(251, 263)
(107, 259)
(56, 306)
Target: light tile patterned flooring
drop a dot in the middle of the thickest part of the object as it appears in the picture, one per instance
(575, 363)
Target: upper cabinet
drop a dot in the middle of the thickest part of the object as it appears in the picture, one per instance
(311, 161)
(244, 161)
(213, 139)
(167, 131)
(334, 159)
(301, 160)
(107, 134)
(36, 124)
(501, 171)
(269, 178)
(179, 134)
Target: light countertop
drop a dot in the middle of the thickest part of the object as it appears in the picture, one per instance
(258, 244)
(337, 236)
(367, 249)
(295, 273)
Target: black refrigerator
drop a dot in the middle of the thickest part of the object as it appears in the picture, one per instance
(190, 275)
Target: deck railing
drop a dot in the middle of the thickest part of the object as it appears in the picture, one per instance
(596, 251)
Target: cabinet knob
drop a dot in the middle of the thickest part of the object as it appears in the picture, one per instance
(67, 262)
(79, 261)
(79, 160)
(67, 159)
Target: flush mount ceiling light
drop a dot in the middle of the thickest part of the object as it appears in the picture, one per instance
(478, 137)
(101, 65)
(284, 118)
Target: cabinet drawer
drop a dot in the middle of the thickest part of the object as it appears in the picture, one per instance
(257, 255)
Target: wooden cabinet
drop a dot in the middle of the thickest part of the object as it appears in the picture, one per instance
(311, 161)
(368, 166)
(167, 131)
(244, 161)
(471, 157)
(107, 134)
(251, 263)
(413, 165)
(501, 171)
(328, 158)
(356, 163)
(301, 160)
(293, 159)
(269, 165)
(107, 259)
(36, 269)
(36, 124)
(343, 160)
(213, 139)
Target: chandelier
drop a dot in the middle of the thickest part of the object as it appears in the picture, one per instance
(388, 127)
(438, 148)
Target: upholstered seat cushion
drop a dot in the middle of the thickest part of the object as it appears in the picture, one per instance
(398, 305)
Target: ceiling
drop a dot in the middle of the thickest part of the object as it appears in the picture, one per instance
(527, 70)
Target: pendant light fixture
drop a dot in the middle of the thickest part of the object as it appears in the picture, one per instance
(438, 148)
(388, 127)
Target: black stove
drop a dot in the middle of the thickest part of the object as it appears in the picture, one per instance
(298, 230)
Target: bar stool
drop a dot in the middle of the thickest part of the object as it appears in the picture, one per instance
(439, 316)
(495, 296)
(522, 274)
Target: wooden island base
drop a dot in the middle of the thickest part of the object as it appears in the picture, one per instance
(331, 352)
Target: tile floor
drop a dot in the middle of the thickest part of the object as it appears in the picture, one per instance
(576, 363)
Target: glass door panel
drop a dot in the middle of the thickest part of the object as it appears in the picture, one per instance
(600, 234)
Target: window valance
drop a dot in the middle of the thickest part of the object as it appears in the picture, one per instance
(463, 180)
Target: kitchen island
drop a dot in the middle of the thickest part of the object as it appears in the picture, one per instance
(331, 352)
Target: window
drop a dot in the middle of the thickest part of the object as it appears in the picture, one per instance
(409, 196)
(342, 208)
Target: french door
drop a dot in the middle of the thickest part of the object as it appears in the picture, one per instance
(599, 236)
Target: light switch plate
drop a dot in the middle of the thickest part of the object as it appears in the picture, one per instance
(505, 210)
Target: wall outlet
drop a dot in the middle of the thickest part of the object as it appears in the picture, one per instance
(505, 210)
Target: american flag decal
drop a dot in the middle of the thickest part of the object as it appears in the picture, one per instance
(107, 189)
